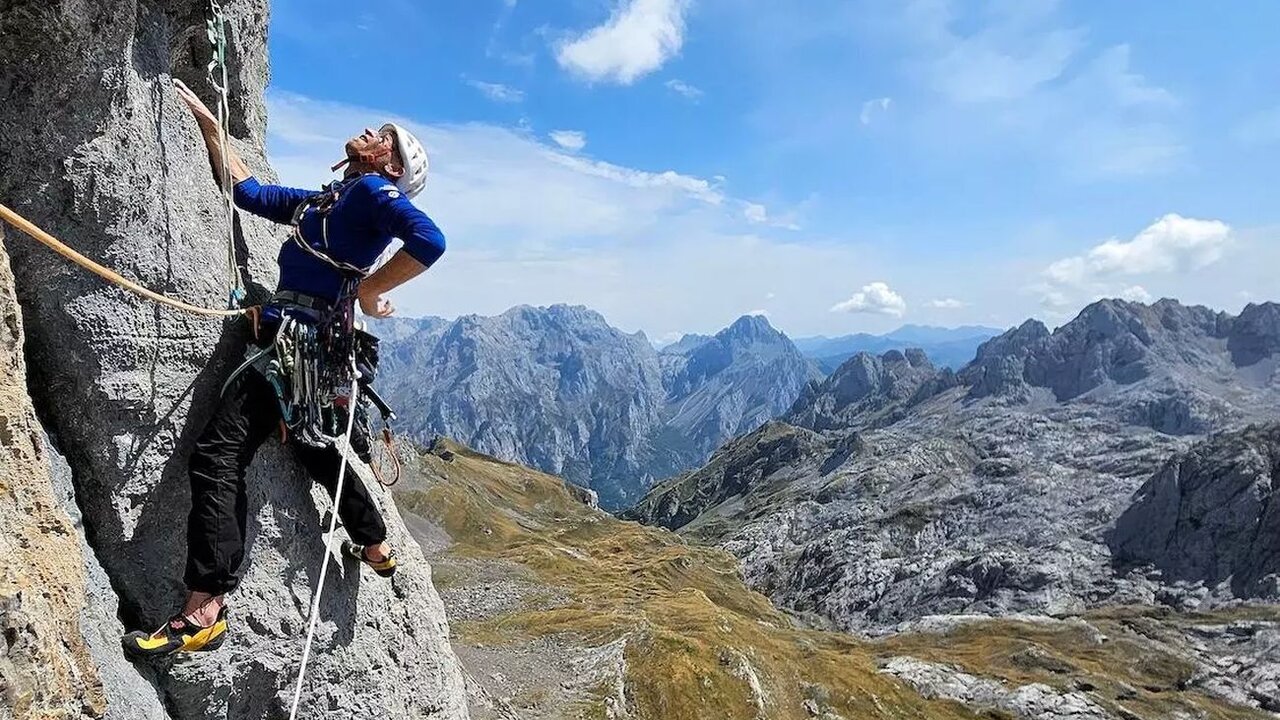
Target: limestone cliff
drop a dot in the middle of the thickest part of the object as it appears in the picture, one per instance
(45, 667)
(96, 148)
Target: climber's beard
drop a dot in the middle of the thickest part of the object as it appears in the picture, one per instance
(352, 159)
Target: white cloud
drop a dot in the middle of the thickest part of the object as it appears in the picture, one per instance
(638, 38)
(1171, 244)
(496, 92)
(1136, 293)
(947, 304)
(871, 108)
(569, 139)
(876, 298)
(755, 212)
(694, 187)
(681, 87)
(1021, 77)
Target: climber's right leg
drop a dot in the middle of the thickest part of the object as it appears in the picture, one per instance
(246, 415)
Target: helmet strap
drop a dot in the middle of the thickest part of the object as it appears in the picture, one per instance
(373, 159)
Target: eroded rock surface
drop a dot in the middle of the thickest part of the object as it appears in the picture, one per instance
(559, 389)
(894, 490)
(45, 666)
(1211, 515)
(97, 149)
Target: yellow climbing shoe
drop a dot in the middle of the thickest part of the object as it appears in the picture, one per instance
(384, 568)
(177, 635)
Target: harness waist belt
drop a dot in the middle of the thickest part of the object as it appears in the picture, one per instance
(310, 302)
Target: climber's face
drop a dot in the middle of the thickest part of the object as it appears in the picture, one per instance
(369, 143)
(377, 151)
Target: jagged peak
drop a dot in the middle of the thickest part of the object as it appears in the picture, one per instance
(751, 327)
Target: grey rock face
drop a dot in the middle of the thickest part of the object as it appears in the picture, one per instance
(1112, 341)
(731, 384)
(1031, 702)
(1255, 335)
(97, 149)
(559, 389)
(45, 666)
(1211, 515)
(903, 493)
(864, 385)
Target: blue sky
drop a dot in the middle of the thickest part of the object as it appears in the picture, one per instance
(839, 165)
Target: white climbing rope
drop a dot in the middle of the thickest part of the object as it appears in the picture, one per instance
(328, 542)
(217, 69)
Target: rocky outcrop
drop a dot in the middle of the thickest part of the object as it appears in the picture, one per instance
(858, 390)
(1110, 342)
(111, 163)
(729, 385)
(1035, 701)
(892, 491)
(1255, 335)
(559, 389)
(1211, 516)
(556, 388)
(45, 666)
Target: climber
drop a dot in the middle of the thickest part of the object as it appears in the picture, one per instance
(338, 234)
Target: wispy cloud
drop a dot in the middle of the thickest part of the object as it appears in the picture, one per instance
(496, 92)
(684, 89)
(947, 304)
(1259, 128)
(1019, 77)
(637, 39)
(871, 108)
(569, 139)
(528, 222)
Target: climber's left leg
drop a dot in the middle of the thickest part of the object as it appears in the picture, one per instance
(357, 510)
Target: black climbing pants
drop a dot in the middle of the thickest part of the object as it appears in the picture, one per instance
(247, 415)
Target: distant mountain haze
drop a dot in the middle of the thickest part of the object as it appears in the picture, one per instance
(947, 347)
(560, 390)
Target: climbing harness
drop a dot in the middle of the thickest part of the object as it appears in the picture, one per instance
(107, 274)
(328, 545)
(217, 72)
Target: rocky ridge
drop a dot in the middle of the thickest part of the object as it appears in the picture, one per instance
(559, 389)
(112, 164)
(892, 491)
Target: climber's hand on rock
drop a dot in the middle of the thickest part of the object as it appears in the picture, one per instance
(375, 305)
(203, 115)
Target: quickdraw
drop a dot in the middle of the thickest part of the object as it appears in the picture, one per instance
(216, 26)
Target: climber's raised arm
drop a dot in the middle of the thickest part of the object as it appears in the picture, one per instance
(273, 202)
(212, 136)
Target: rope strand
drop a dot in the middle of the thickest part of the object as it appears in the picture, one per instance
(105, 273)
(328, 543)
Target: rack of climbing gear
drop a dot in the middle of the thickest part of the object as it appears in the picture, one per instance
(216, 26)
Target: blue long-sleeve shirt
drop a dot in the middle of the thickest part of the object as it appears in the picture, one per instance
(369, 214)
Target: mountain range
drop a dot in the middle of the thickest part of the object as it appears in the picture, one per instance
(559, 389)
(1057, 472)
(949, 347)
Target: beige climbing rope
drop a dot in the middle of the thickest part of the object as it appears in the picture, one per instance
(105, 273)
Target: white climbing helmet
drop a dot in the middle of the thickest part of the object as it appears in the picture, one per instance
(415, 160)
